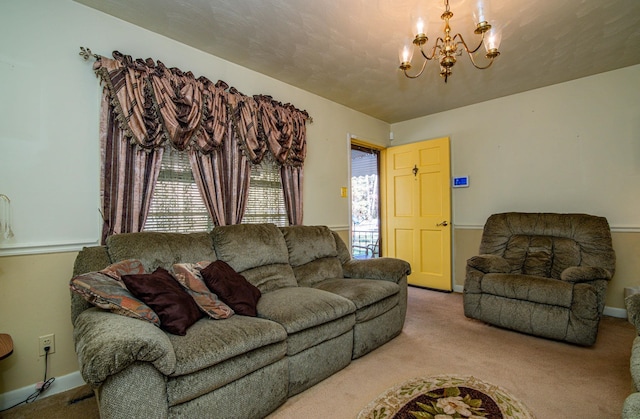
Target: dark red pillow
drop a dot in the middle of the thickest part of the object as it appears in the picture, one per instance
(160, 291)
(232, 288)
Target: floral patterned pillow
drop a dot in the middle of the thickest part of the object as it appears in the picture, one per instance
(125, 267)
(189, 276)
(106, 290)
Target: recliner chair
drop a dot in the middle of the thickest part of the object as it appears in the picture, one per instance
(542, 274)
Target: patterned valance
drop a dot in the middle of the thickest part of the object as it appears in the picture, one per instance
(156, 105)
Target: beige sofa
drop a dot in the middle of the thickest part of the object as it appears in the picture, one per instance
(319, 309)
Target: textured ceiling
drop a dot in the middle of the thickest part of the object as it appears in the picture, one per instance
(346, 50)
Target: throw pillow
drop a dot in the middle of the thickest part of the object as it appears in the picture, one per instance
(189, 276)
(160, 291)
(232, 288)
(105, 292)
(125, 267)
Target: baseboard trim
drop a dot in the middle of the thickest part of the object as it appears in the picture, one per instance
(615, 312)
(64, 383)
(608, 311)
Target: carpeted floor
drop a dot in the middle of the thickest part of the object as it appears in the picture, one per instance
(553, 379)
(78, 403)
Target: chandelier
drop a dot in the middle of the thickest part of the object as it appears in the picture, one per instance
(447, 48)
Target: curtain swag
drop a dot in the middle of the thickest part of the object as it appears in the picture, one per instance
(155, 105)
(146, 106)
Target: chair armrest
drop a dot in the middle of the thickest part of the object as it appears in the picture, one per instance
(632, 303)
(631, 406)
(489, 264)
(107, 343)
(388, 269)
(584, 274)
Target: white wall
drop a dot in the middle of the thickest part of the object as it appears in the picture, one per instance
(49, 160)
(571, 147)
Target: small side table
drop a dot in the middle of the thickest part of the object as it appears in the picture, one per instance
(6, 345)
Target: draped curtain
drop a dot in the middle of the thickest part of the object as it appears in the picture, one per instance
(147, 106)
(128, 177)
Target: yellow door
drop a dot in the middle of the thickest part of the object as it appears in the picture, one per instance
(418, 210)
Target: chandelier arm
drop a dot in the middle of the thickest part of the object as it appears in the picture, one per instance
(480, 67)
(471, 52)
(424, 64)
(433, 50)
(464, 44)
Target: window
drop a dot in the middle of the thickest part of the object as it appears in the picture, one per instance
(266, 201)
(176, 205)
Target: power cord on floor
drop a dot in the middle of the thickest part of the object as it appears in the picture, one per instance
(41, 387)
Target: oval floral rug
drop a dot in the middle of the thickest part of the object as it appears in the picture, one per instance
(444, 397)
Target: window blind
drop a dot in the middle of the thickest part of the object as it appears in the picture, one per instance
(177, 206)
(266, 201)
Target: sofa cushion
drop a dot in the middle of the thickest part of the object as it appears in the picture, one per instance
(156, 249)
(578, 239)
(203, 382)
(210, 342)
(309, 274)
(371, 297)
(190, 277)
(308, 243)
(314, 336)
(248, 246)
(528, 288)
(160, 291)
(540, 255)
(231, 287)
(313, 254)
(300, 308)
(271, 277)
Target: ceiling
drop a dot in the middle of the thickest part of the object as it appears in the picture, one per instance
(347, 50)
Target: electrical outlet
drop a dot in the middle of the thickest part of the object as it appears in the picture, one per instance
(46, 340)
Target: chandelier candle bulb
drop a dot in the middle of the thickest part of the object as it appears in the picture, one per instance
(492, 42)
(420, 22)
(420, 26)
(482, 10)
(406, 54)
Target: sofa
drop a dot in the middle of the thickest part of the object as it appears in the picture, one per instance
(544, 274)
(318, 309)
(631, 407)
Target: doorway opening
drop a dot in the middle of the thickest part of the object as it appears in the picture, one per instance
(365, 201)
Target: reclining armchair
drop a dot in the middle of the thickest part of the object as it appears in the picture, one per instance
(542, 274)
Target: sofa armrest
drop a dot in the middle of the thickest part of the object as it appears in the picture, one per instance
(489, 264)
(632, 303)
(107, 343)
(584, 274)
(388, 269)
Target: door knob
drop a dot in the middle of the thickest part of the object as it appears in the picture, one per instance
(442, 224)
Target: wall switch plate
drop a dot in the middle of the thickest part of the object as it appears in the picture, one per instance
(46, 340)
